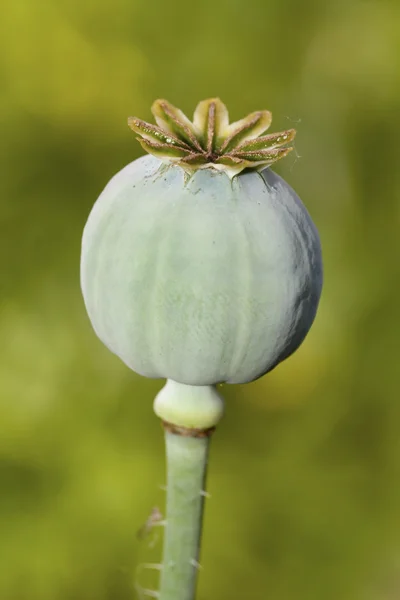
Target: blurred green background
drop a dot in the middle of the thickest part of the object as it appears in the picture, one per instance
(305, 468)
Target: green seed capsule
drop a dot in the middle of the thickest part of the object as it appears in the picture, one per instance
(200, 278)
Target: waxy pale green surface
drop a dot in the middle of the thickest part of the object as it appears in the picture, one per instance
(200, 279)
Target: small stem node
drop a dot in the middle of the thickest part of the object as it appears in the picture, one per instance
(189, 410)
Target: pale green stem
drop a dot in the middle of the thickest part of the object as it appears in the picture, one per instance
(186, 473)
(190, 414)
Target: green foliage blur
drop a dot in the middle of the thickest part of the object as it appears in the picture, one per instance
(304, 472)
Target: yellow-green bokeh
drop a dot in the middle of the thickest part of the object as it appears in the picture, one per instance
(304, 471)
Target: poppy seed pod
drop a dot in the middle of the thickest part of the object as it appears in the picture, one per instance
(199, 264)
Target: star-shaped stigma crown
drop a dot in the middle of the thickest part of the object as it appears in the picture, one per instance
(210, 141)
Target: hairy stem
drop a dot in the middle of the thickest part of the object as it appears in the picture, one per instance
(186, 472)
